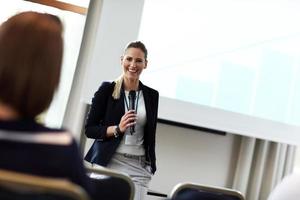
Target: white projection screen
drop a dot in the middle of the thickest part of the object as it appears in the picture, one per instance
(228, 65)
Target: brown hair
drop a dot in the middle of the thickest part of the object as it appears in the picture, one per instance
(31, 48)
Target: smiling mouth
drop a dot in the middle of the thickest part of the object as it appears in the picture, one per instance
(132, 71)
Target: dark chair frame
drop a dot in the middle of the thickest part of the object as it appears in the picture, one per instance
(115, 174)
(208, 188)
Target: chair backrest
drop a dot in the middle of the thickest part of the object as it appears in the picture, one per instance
(197, 191)
(119, 186)
(84, 142)
(16, 185)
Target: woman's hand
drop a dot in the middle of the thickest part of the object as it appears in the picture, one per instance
(128, 119)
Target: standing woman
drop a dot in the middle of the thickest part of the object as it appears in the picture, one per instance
(125, 137)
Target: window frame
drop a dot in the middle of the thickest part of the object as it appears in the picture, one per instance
(62, 5)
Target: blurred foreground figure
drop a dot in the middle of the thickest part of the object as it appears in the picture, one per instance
(31, 48)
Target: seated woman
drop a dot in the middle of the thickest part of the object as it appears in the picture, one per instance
(31, 49)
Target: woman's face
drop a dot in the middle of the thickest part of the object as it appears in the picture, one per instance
(133, 63)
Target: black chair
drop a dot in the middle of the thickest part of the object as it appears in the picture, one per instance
(21, 186)
(193, 191)
(112, 185)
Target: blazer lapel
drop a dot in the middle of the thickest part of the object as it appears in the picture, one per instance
(121, 106)
(117, 108)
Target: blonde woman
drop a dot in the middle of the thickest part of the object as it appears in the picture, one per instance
(110, 122)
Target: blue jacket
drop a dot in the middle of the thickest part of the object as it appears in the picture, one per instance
(106, 111)
(24, 147)
(29, 147)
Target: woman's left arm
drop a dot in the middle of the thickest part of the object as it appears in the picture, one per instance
(154, 125)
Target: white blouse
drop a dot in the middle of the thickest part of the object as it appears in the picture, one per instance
(133, 143)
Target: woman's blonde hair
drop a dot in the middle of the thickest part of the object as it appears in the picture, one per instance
(118, 86)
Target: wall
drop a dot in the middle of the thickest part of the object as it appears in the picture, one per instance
(185, 155)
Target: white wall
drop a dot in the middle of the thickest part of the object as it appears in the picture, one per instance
(185, 155)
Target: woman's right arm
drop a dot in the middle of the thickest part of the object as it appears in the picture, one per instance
(94, 126)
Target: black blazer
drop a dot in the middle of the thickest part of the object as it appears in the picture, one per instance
(106, 111)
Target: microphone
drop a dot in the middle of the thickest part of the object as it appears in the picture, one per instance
(131, 97)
